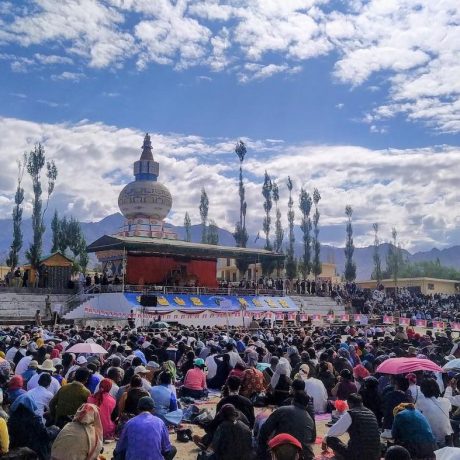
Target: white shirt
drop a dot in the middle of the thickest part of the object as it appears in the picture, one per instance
(211, 365)
(316, 389)
(11, 353)
(341, 426)
(454, 400)
(234, 358)
(23, 365)
(436, 410)
(33, 383)
(42, 397)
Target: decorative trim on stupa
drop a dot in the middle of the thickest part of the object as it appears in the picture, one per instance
(145, 202)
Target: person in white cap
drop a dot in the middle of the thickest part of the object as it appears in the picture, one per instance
(46, 367)
(142, 372)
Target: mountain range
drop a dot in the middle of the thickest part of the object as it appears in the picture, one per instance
(362, 256)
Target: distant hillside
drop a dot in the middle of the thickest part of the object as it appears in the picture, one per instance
(363, 256)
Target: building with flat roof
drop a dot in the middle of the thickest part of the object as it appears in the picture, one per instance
(424, 286)
(228, 271)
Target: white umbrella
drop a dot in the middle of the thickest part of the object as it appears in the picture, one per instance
(453, 364)
(90, 348)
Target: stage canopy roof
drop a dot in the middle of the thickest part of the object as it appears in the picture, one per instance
(177, 247)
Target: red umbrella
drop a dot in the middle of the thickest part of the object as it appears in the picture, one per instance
(407, 365)
(90, 348)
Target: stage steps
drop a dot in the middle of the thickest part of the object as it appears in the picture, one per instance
(314, 305)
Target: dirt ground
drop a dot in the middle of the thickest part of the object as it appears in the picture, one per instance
(188, 451)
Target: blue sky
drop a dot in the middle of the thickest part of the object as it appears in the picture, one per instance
(358, 98)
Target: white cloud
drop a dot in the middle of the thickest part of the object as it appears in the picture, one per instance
(70, 76)
(415, 190)
(253, 71)
(413, 45)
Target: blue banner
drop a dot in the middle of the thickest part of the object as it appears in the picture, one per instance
(216, 302)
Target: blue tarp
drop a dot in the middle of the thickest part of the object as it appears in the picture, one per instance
(216, 302)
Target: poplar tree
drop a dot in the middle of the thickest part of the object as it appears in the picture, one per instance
(204, 209)
(188, 227)
(377, 261)
(240, 234)
(267, 189)
(56, 229)
(279, 232)
(305, 203)
(291, 264)
(16, 245)
(394, 257)
(350, 266)
(35, 163)
(316, 265)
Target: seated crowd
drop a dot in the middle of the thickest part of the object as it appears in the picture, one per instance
(269, 386)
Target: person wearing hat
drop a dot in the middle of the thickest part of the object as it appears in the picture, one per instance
(145, 436)
(195, 381)
(285, 447)
(31, 371)
(46, 367)
(143, 372)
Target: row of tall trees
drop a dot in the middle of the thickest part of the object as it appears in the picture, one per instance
(67, 234)
(36, 165)
(308, 204)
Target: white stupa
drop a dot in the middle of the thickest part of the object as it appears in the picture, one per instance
(145, 202)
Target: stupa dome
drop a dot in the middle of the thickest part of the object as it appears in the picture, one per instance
(145, 197)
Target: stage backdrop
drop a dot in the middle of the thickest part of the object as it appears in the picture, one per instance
(156, 269)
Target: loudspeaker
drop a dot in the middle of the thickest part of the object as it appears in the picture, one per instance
(148, 300)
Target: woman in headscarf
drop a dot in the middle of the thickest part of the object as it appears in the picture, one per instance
(15, 388)
(345, 385)
(342, 360)
(171, 369)
(106, 404)
(280, 383)
(412, 431)
(82, 438)
(360, 373)
(26, 428)
(326, 376)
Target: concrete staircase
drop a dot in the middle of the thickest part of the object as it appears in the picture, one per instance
(313, 305)
(22, 306)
